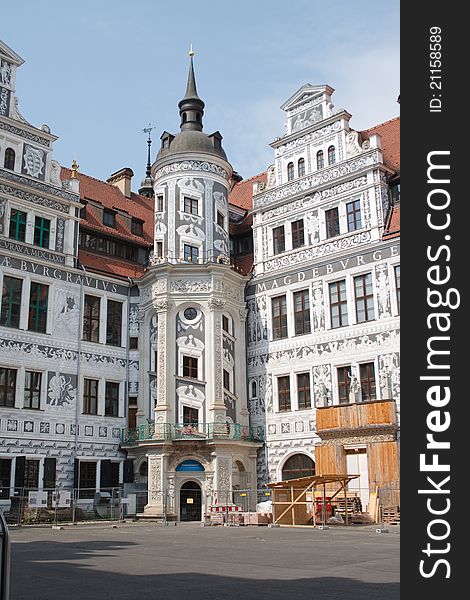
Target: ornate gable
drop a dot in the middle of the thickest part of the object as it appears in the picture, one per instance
(309, 105)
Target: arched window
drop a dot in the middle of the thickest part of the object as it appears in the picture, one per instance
(320, 160)
(144, 469)
(298, 465)
(331, 155)
(301, 167)
(9, 159)
(290, 171)
(253, 389)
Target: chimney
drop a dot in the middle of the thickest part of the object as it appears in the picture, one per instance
(122, 180)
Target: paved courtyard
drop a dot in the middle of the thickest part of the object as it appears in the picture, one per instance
(151, 561)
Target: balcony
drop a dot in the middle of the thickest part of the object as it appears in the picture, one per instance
(199, 432)
(378, 414)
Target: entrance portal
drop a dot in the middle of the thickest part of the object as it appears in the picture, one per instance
(190, 501)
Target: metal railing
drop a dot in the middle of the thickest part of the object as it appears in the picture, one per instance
(202, 258)
(190, 431)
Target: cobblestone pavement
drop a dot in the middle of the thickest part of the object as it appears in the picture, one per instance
(151, 561)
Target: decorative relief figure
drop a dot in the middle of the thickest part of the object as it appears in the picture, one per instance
(223, 475)
(354, 385)
(5, 73)
(34, 161)
(61, 389)
(268, 394)
(66, 314)
(155, 478)
(190, 184)
(190, 343)
(193, 322)
(383, 295)
(322, 385)
(257, 329)
(216, 304)
(191, 285)
(3, 204)
(318, 306)
(352, 144)
(389, 376)
(134, 320)
(220, 198)
(55, 173)
(59, 240)
(312, 225)
(271, 177)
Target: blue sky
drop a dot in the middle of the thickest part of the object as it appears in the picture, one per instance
(97, 72)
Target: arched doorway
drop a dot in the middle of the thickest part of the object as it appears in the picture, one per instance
(190, 501)
(298, 465)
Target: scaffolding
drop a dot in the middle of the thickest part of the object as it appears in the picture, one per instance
(311, 500)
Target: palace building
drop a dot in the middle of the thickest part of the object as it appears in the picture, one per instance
(209, 334)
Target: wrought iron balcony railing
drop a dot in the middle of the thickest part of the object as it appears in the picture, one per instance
(192, 431)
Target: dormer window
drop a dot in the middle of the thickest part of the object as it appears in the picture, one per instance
(320, 160)
(137, 227)
(9, 162)
(290, 171)
(109, 218)
(331, 155)
(301, 167)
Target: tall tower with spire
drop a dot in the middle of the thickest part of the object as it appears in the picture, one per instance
(194, 429)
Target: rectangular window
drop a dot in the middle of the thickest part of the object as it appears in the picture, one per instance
(91, 319)
(302, 312)
(87, 479)
(5, 478)
(190, 415)
(397, 286)
(114, 323)
(111, 399)
(190, 367)
(368, 387)
(279, 241)
(191, 253)
(332, 222)
(11, 302)
(109, 218)
(31, 474)
(42, 231)
(220, 219)
(344, 381)
(283, 392)
(279, 317)
(353, 213)
(159, 249)
(17, 225)
(32, 389)
(298, 238)
(226, 380)
(303, 391)
(159, 203)
(225, 324)
(90, 396)
(191, 205)
(364, 298)
(37, 318)
(7, 387)
(338, 304)
(133, 343)
(137, 227)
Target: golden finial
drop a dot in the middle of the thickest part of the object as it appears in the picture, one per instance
(74, 168)
(191, 51)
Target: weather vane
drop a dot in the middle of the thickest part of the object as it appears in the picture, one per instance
(148, 129)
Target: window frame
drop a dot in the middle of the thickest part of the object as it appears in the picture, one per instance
(320, 157)
(90, 400)
(6, 307)
(42, 234)
(331, 155)
(279, 322)
(8, 381)
(368, 382)
(304, 390)
(111, 399)
(279, 239)
(332, 225)
(9, 159)
(19, 225)
(190, 366)
(114, 323)
(305, 317)
(89, 319)
(38, 308)
(283, 393)
(354, 223)
(301, 166)
(344, 384)
(109, 215)
(297, 234)
(189, 202)
(193, 255)
(341, 303)
(366, 297)
(29, 391)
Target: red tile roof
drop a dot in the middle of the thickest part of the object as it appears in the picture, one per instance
(390, 135)
(110, 265)
(242, 192)
(111, 197)
(392, 227)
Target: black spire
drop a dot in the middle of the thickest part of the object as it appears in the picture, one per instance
(146, 188)
(191, 106)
